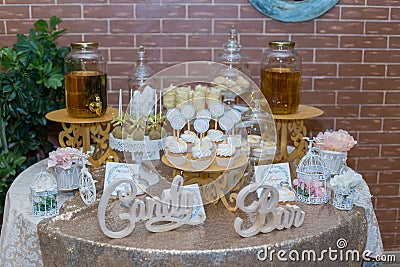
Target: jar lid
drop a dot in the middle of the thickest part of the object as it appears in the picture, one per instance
(84, 44)
(232, 46)
(282, 43)
(141, 53)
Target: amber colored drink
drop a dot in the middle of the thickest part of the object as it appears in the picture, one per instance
(86, 93)
(281, 88)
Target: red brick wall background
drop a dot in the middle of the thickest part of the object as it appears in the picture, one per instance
(351, 64)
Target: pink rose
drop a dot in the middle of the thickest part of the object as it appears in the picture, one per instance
(63, 157)
(335, 141)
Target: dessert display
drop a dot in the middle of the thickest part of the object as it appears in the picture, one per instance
(195, 142)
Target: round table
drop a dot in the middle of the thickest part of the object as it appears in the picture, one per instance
(78, 240)
(74, 238)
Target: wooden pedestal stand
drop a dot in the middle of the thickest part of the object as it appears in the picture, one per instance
(216, 182)
(291, 127)
(84, 132)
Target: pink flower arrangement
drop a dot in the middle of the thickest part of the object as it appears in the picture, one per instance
(339, 141)
(63, 157)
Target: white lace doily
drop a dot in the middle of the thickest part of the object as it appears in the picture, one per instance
(130, 145)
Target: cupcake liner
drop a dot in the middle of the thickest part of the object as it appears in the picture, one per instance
(225, 162)
(201, 164)
(176, 160)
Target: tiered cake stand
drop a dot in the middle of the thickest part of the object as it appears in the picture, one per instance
(216, 182)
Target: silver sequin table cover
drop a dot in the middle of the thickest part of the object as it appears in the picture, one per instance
(75, 239)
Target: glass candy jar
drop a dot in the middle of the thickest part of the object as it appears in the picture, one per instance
(259, 127)
(231, 55)
(144, 99)
(230, 77)
(141, 70)
(281, 77)
(85, 81)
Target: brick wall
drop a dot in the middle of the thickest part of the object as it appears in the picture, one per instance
(351, 63)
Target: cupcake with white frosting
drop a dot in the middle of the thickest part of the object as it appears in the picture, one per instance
(236, 142)
(202, 154)
(225, 154)
(176, 150)
(286, 196)
(216, 136)
(253, 140)
(190, 138)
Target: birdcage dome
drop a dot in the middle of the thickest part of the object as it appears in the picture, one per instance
(43, 181)
(44, 194)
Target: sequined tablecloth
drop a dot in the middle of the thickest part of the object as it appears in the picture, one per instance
(75, 239)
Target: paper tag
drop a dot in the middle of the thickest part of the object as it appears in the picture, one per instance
(272, 174)
(225, 123)
(217, 109)
(203, 114)
(188, 111)
(201, 125)
(172, 113)
(234, 115)
(178, 122)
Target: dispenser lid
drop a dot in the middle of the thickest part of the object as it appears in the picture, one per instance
(84, 44)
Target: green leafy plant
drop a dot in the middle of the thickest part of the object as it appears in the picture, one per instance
(31, 85)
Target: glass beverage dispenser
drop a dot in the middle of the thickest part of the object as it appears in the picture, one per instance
(281, 77)
(85, 81)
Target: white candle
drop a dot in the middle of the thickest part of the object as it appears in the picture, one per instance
(155, 103)
(131, 103)
(160, 101)
(120, 104)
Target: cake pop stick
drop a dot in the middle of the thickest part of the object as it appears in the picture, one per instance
(217, 110)
(226, 124)
(188, 112)
(155, 104)
(120, 104)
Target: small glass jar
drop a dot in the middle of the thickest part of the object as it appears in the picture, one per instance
(141, 70)
(236, 64)
(232, 55)
(281, 77)
(85, 81)
(259, 128)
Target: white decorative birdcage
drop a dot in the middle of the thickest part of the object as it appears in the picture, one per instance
(312, 183)
(44, 193)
